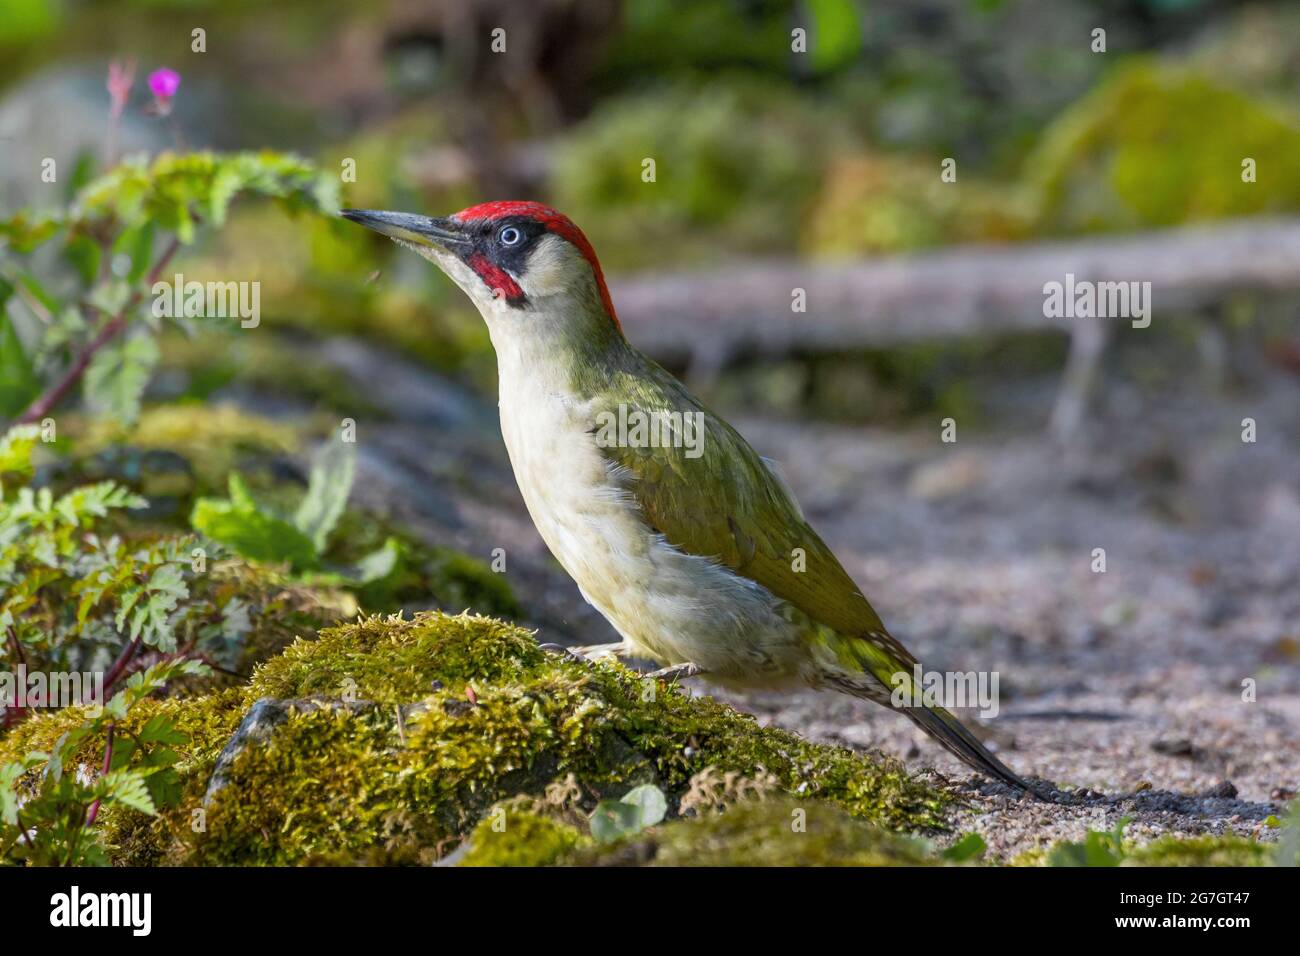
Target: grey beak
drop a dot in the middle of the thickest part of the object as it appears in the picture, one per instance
(422, 230)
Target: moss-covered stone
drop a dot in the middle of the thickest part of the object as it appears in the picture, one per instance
(408, 732)
(272, 362)
(214, 439)
(469, 711)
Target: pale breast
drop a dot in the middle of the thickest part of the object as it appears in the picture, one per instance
(673, 607)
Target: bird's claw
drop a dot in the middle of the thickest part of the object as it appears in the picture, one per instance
(677, 672)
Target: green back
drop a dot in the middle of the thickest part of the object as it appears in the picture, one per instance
(729, 505)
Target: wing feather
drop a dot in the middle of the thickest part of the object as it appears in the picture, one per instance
(729, 505)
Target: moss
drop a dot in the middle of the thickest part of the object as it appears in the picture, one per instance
(134, 838)
(1133, 154)
(777, 832)
(754, 832)
(213, 440)
(396, 661)
(521, 839)
(731, 171)
(870, 203)
(1209, 850)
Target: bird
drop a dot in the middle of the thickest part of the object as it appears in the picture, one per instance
(688, 542)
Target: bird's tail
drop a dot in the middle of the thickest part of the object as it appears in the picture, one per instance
(955, 738)
(888, 667)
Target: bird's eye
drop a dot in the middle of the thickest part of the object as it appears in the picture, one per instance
(510, 236)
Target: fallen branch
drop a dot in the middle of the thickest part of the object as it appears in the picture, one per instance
(686, 318)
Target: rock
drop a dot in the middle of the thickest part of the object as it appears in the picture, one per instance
(261, 722)
(1224, 790)
(1178, 747)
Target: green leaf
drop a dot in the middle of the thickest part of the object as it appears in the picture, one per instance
(165, 787)
(968, 848)
(1099, 848)
(150, 607)
(378, 564)
(332, 472)
(117, 376)
(641, 807)
(137, 245)
(9, 774)
(836, 35)
(126, 788)
(244, 528)
(18, 381)
(84, 254)
(16, 448)
(159, 729)
(24, 235)
(42, 295)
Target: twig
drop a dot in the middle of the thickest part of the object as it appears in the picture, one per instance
(41, 406)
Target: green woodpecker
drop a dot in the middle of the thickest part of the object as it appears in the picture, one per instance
(690, 545)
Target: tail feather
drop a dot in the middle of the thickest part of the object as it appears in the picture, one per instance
(882, 663)
(954, 737)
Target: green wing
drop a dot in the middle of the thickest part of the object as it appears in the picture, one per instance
(729, 505)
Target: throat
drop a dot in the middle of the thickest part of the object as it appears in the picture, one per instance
(562, 352)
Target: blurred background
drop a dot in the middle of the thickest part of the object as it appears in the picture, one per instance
(776, 170)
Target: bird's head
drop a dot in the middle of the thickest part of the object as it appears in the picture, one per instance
(516, 260)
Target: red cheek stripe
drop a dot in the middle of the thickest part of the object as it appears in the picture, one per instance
(495, 277)
(555, 222)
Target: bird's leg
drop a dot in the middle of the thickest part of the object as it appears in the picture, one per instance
(678, 672)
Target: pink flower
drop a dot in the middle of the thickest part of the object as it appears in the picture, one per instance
(120, 78)
(163, 84)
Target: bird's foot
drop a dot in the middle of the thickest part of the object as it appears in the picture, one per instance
(594, 652)
(677, 672)
(588, 652)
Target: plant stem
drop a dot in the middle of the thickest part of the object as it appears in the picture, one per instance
(119, 665)
(42, 406)
(108, 760)
(18, 648)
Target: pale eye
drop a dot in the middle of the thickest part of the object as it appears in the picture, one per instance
(510, 236)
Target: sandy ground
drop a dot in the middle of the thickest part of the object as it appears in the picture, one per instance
(1133, 683)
